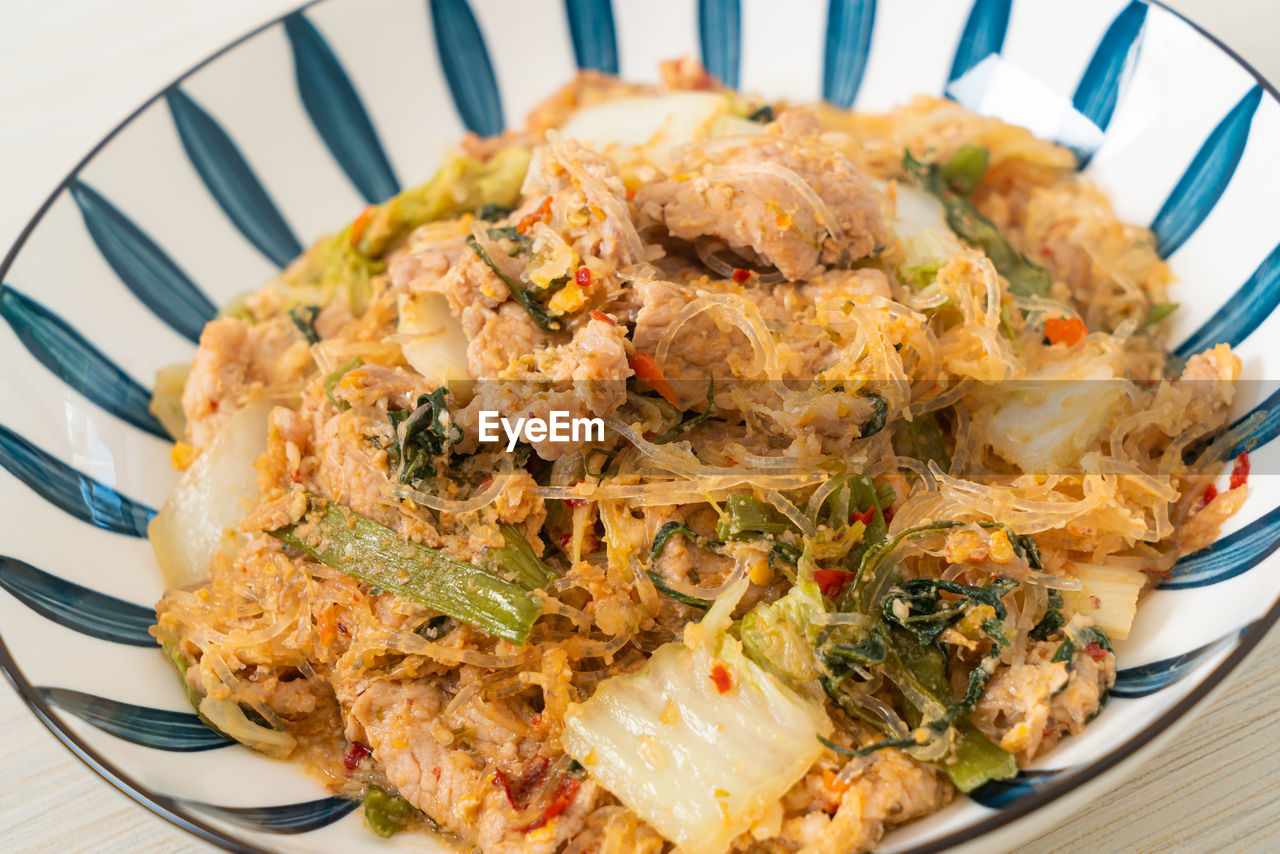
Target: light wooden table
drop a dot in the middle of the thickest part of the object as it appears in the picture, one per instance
(1216, 789)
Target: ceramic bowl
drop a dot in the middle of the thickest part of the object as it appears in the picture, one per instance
(214, 184)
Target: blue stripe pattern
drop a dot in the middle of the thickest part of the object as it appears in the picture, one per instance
(1232, 555)
(337, 112)
(71, 491)
(1147, 679)
(983, 35)
(848, 44)
(286, 818)
(1242, 313)
(77, 608)
(161, 729)
(720, 37)
(76, 362)
(595, 43)
(1204, 181)
(1264, 432)
(143, 266)
(1099, 88)
(231, 181)
(1000, 793)
(465, 62)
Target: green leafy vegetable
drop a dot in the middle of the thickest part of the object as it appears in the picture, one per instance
(331, 382)
(427, 436)
(386, 812)
(536, 312)
(1158, 312)
(354, 545)
(745, 517)
(922, 439)
(917, 606)
(693, 420)
(964, 169)
(1077, 640)
(669, 530)
(764, 115)
(660, 583)
(517, 560)
(1052, 621)
(304, 317)
(1025, 277)
(879, 415)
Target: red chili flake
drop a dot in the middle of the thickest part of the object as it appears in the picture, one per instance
(740, 275)
(355, 755)
(564, 539)
(864, 517)
(631, 194)
(1046, 252)
(1210, 493)
(535, 721)
(832, 582)
(1240, 471)
(436, 773)
(722, 678)
(213, 406)
(559, 803)
(1093, 649)
(887, 513)
(528, 222)
(583, 277)
(603, 318)
(1049, 731)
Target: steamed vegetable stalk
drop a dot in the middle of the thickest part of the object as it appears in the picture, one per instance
(352, 544)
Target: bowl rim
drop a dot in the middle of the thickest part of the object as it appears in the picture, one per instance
(174, 812)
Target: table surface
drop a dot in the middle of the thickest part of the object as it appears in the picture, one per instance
(1214, 789)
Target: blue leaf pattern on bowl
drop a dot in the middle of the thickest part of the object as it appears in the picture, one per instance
(231, 181)
(595, 44)
(983, 35)
(1000, 793)
(720, 38)
(338, 113)
(76, 362)
(143, 266)
(286, 818)
(1233, 555)
(1099, 88)
(177, 732)
(1202, 184)
(1242, 313)
(1146, 679)
(69, 490)
(467, 69)
(77, 608)
(848, 44)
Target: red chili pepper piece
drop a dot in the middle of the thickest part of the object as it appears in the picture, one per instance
(647, 368)
(559, 803)
(1210, 493)
(832, 582)
(355, 755)
(359, 224)
(722, 678)
(529, 221)
(864, 517)
(583, 277)
(1093, 649)
(1240, 471)
(603, 318)
(740, 276)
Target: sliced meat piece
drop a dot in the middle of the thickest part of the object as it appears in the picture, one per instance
(772, 194)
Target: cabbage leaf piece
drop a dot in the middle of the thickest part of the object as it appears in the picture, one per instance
(701, 740)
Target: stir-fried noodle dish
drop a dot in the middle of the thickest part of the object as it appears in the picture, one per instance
(686, 471)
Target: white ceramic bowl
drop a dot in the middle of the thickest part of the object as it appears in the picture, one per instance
(219, 180)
